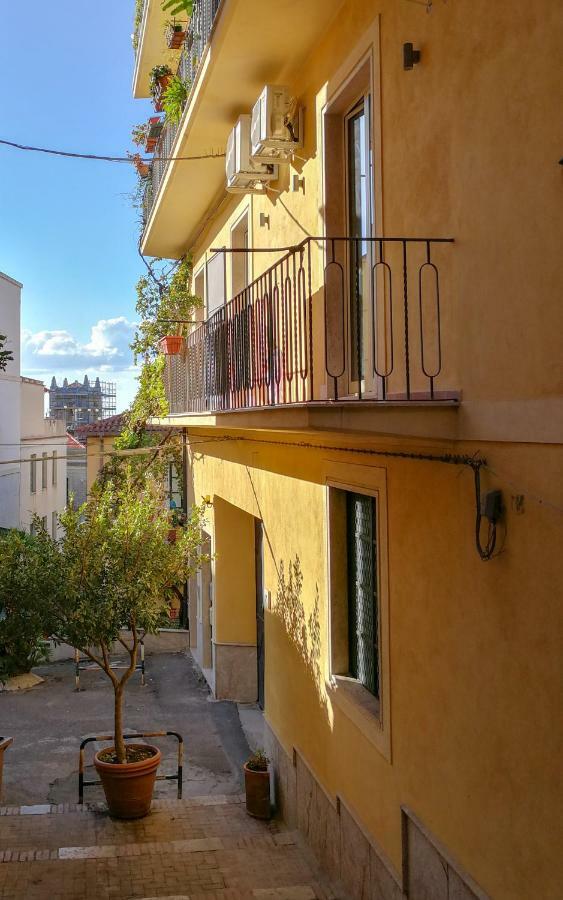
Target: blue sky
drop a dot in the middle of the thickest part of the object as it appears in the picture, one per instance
(67, 228)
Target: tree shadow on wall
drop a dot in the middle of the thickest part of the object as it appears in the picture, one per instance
(301, 628)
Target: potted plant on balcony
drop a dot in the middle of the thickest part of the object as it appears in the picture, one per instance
(142, 167)
(257, 785)
(174, 99)
(159, 78)
(108, 580)
(175, 34)
(171, 344)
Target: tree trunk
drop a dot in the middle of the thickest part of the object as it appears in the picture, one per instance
(118, 727)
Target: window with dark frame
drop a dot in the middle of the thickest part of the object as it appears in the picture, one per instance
(33, 473)
(362, 584)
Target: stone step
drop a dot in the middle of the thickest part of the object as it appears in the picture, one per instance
(201, 849)
(263, 872)
(53, 827)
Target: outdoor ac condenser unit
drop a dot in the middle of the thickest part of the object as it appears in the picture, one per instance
(243, 174)
(276, 130)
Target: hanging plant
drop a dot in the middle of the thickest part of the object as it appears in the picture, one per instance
(159, 79)
(142, 167)
(174, 99)
(162, 304)
(139, 134)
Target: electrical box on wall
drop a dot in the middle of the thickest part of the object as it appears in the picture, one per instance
(277, 127)
(244, 175)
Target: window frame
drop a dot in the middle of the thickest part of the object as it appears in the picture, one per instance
(33, 473)
(44, 470)
(54, 473)
(372, 715)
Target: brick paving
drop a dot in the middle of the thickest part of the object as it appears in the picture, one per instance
(200, 849)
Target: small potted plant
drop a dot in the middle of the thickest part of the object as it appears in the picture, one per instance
(159, 79)
(257, 785)
(139, 134)
(142, 167)
(175, 34)
(171, 344)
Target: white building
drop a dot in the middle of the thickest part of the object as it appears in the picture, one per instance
(32, 448)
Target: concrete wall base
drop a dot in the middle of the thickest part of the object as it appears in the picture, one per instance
(236, 675)
(349, 856)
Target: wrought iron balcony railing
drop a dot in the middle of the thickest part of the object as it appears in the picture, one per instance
(335, 319)
(198, 35)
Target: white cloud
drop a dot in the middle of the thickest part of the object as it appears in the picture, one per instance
(108, 346)
(107, 353)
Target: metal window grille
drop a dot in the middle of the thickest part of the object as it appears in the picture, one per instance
(363, 642)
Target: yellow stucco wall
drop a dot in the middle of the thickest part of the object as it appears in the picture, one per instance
(466, 145)
(97, 450)
(473, 647)
(235, 585)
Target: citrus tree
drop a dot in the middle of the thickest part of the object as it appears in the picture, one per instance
(109, 578)
(24, 571)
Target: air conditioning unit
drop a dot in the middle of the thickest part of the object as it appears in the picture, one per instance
(276, 130)
(245, 176)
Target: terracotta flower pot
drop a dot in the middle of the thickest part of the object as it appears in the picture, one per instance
(4, 744)
(257, 788)
(175, 36)
(143, 169)
(129, 786)
(171, 345)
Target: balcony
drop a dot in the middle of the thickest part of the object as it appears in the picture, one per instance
(336, 321)
(151, 47)
(237, 47)
(197, 39)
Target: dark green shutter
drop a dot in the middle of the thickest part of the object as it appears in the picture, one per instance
(362, 590)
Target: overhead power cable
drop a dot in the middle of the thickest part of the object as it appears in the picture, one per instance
(115, 159)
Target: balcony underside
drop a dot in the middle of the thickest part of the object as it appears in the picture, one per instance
(152, 50)
(248, 49)
(427, 419)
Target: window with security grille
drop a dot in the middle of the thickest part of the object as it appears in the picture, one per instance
(361, 552)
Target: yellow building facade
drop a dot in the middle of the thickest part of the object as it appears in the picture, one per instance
(379, 356)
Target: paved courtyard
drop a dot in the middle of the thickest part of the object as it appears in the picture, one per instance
(49, 721)
(204, 847)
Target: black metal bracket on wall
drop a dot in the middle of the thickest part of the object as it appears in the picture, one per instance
(82, 783)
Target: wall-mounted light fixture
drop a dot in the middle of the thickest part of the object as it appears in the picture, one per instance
(411, 57)
(264, 220)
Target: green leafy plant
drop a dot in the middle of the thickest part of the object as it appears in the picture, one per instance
(24, 571)
(258, 761)
(156, 73)
(174, 99)
(6, 356)
(161, 303)
(110, 577)
(138, 18)
(139, 134)
(176, 7)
